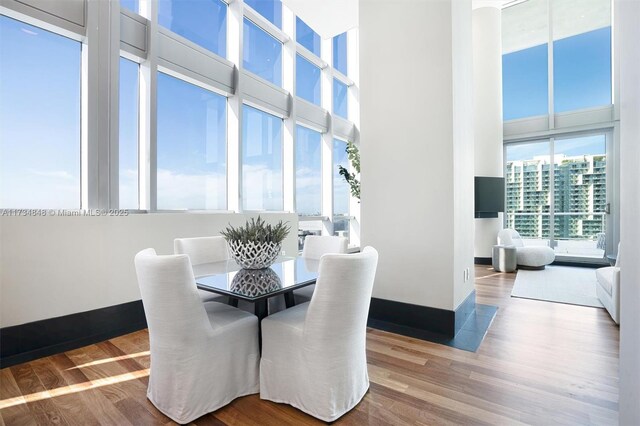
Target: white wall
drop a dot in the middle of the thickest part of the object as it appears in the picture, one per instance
(463, 149)
(627, 34)
(408, 95)
(54, 266)
(487, 78)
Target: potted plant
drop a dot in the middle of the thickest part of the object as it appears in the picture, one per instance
(351, 178)
(256, 244)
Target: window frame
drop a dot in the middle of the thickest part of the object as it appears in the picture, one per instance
(137, 36)
(567, 120)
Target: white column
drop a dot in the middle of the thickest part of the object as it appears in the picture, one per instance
(416, 137)
(627, 59)
(487, 79)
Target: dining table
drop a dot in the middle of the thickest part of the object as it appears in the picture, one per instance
(257, 286)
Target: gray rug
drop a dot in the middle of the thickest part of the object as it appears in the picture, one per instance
(562, 284)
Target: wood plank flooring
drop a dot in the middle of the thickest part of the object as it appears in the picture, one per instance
(541, 363)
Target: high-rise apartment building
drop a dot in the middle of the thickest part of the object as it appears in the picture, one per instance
(579, 196)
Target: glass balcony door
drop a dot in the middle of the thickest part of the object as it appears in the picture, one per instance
(556, 194)
(580, 199)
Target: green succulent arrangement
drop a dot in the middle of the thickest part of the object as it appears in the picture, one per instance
(354, 157)
(257, 231)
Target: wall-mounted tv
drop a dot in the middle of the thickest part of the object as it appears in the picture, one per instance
(489, 196)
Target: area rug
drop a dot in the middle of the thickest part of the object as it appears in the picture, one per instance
(562, 284)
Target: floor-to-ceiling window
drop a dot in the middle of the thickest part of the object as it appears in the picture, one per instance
(201, 105)
(556, 193)
(557, 81)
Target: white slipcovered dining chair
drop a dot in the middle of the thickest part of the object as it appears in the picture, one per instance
(314, 247)
(314, 354)
(203, 355)
(203, 250)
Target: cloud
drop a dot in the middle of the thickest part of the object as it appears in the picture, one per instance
(177, 191)
(55, 174)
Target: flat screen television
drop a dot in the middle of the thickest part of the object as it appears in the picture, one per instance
(489, 196)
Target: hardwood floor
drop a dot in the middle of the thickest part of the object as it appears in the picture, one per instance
(540, 363)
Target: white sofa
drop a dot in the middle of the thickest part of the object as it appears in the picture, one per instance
(608, 288)
(527, 257)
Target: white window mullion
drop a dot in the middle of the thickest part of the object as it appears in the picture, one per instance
(289, 84)
(235, 39)
(147, 158)
(552, 116)
(98, 93)
(113, 53)
(327, 138)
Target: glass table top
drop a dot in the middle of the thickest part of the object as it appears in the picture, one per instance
(285, 275)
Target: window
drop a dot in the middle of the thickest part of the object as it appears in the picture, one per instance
(580, 198)
(261, 160)
(128, 140)
(192, 147)
(307, 37)
(581, 54)
(307, 80)
(556, 194)
(270, 9)
(308, 227)
(308, 172)
(340, 98)
(525, 71)
(581, 49)
(262, 54)
(340, 53)
(40, 118)
(204, 22)
(341, 191)
(132, 5)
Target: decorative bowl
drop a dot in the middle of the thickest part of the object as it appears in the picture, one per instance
(254, 255)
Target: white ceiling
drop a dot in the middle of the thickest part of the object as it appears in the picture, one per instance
(326, 17)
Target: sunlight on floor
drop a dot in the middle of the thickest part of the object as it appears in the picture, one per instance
(117, 358)
(78, 387)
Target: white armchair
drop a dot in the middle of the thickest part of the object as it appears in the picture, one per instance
(203, 250)
(314, 354)
(528, 257)
(203, 355)
(608, 288)
(315, 247)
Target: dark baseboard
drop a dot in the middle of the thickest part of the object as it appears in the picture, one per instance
(482, 260)
(387, 314)
(425, 318)
(463, 328)
(26, 342)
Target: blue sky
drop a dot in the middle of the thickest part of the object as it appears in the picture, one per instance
(584, 145)
(39, 118)
(582, 76)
